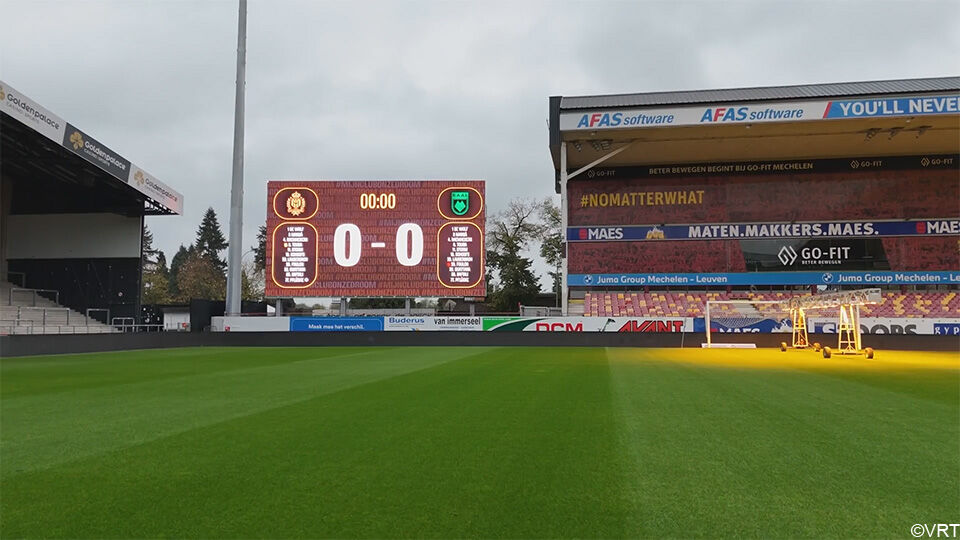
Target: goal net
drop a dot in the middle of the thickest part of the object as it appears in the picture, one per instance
(725, 317)
(789, 315)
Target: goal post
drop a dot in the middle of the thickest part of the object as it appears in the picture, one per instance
(790, 316)
(743, 316)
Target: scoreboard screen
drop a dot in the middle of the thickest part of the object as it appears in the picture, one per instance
(375, 238)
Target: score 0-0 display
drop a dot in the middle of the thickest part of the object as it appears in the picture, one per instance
(375, 238)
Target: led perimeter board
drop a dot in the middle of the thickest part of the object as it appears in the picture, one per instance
(375, 238)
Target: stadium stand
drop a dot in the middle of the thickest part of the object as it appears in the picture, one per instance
(27, 311)
(692, 304)
(923, 252)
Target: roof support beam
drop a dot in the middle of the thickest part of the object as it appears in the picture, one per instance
(599, 160)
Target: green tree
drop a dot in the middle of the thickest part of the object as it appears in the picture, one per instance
(156, 288)
(251, 283)
(155, 282)
(509, 233)
(210, 240)
(260, 250)
(199, 277)
(552, 245)
(176, 264)
(148, 255)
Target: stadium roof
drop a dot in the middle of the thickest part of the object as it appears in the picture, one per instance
(40, 146)
(906, 117)
(764, 93)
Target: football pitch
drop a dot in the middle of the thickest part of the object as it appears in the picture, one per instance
(477, 442)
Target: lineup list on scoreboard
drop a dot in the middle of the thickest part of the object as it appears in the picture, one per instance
(375, 238)
(459, 245)
(295, 253)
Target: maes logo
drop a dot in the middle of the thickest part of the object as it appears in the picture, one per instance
(601, 233)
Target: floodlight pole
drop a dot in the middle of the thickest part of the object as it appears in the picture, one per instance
(235, 248)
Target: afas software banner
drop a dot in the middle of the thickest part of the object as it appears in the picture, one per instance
(737, 113)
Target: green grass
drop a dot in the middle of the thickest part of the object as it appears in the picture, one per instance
(477, 442)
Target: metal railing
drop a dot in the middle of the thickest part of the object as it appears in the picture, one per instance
(39, 329)
(122, 322)
(44, 313)
(127, 328)
(33, 292)
(129, 324)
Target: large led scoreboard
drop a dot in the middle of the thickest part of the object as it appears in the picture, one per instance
(375, 238)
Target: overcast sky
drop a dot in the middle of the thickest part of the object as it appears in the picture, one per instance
(371, 90)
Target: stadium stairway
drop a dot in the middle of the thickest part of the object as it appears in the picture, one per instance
(22, 311)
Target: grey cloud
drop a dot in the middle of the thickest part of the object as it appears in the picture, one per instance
(417, 89)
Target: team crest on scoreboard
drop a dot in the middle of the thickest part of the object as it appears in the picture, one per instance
(296, 204)
(460, 202)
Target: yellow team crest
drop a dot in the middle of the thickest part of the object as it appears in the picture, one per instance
(138, 176)
(296, 204)
(655, 233)
(3, 95)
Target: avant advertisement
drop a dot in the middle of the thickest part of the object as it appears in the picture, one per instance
(588, 324)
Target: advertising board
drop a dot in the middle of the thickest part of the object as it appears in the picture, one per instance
(588, 324)
(336, 324)
(924, 326)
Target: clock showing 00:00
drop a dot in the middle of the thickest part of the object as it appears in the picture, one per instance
(378, 201)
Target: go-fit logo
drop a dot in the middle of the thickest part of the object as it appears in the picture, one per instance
(787, 255)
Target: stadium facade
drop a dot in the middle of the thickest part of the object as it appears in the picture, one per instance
(849, 184)
(71, 221)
